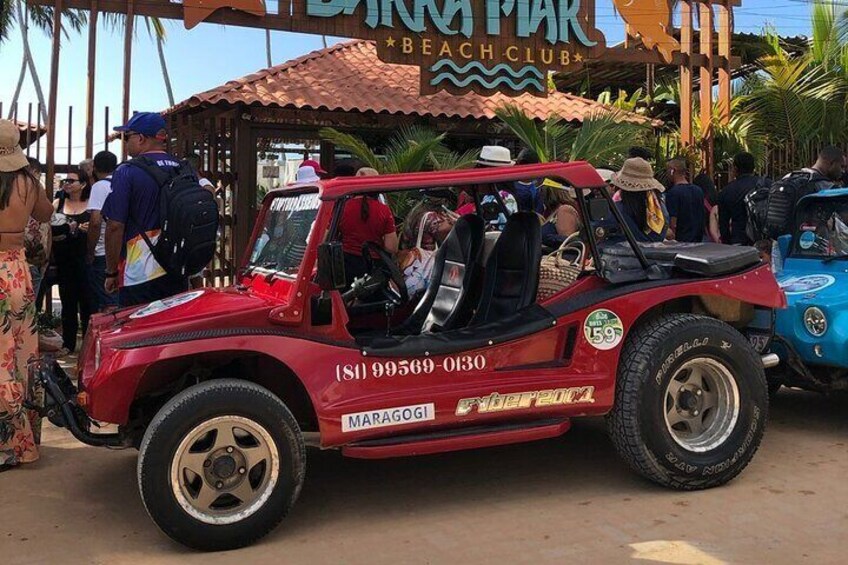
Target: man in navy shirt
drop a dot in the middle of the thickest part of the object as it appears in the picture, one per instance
(133, 208)
(685, 204)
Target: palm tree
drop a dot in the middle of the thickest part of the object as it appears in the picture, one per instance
(17, 11)
(155, 29)
(799, 102)
(602, 139)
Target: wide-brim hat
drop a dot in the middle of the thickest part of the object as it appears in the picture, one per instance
(495, 156)
(636, 175)
(12, 157)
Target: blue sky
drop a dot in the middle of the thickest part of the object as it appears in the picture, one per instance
(210, 55)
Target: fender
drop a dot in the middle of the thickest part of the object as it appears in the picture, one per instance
(124, 373)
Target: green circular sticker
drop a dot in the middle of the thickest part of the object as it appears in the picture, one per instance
(603, 329)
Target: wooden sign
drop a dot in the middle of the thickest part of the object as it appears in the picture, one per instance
(485, 46)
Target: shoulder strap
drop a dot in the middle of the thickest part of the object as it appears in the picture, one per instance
(147, 165)
(161, 178)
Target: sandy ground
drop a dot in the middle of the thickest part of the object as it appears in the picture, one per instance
(557, 501)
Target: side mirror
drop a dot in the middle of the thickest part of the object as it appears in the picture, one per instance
(331, 269)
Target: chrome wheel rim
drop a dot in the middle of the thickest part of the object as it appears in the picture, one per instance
(701, 404)
(225, 469)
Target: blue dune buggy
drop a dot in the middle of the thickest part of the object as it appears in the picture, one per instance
(811, 334)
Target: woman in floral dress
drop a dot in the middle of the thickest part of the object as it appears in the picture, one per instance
(21, 197)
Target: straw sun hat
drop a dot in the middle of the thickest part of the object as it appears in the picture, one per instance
(636, 176)
(11, 156)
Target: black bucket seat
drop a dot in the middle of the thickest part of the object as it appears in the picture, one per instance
(511, 276)
(444, 304)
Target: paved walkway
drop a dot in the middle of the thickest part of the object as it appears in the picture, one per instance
(568, 500)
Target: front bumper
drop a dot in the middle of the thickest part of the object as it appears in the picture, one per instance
(62, 408)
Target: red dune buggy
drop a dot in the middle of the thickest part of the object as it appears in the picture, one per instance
(221, 390)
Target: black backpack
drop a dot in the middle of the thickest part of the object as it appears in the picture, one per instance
(783, 195)
(188, 217)
(756, 202)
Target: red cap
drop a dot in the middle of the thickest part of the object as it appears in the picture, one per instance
(314, 164)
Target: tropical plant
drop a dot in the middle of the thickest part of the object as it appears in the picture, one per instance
(19, 12)
(603, 138)
(411, 149)
(799, 103)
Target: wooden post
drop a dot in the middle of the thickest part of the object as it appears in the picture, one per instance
(70, 136)
(725, 32)
(686, 73)
(128, 36)
(89, 104)
(243, 190)
(706, 94)
(52, 97)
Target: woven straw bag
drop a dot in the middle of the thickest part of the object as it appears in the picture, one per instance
(557, 272)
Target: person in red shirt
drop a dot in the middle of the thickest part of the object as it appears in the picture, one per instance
(365, 218)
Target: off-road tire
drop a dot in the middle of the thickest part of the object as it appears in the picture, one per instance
(651, 356)
(192, 407)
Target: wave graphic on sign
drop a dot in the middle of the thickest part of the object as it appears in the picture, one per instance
(489, 78)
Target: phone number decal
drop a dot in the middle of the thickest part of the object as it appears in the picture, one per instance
(409, 367)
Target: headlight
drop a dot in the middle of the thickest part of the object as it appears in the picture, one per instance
(815, 321)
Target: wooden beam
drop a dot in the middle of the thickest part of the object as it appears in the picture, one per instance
(128, 37)
(706, 93)
(52, 96)
(89, 102)
(725, 33)
(686, 73)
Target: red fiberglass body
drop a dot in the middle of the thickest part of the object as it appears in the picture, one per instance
(352, 393)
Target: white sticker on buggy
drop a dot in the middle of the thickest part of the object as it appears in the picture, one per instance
(603, 329)
(166, 304)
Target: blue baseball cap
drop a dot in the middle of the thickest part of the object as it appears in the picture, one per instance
(145, 123)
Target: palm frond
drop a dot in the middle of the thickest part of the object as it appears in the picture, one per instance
(530, 133)
(8, 17)
(42, 18)
(604, 138)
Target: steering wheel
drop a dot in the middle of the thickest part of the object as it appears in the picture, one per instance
(383, 277)
(396, 293)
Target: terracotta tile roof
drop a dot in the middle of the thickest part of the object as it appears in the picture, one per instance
(349, 77)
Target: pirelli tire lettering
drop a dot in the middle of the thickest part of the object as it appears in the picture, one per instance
(497, 402)
(409, 367)
(691, 401)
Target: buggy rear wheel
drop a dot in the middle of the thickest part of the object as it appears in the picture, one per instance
(691, 402)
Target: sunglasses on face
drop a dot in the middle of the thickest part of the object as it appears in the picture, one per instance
(68, 181)
(129, 135)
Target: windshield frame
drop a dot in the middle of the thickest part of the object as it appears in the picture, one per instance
(247, 268)
(795, 250)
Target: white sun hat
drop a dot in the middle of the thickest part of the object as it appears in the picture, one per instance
(495, 156)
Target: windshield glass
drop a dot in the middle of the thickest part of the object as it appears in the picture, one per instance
(823, 229)
(282, 242)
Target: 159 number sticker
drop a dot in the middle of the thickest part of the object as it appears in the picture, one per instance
(409, 367)
(603, 329)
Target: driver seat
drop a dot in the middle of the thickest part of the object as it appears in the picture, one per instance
(455, 265)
